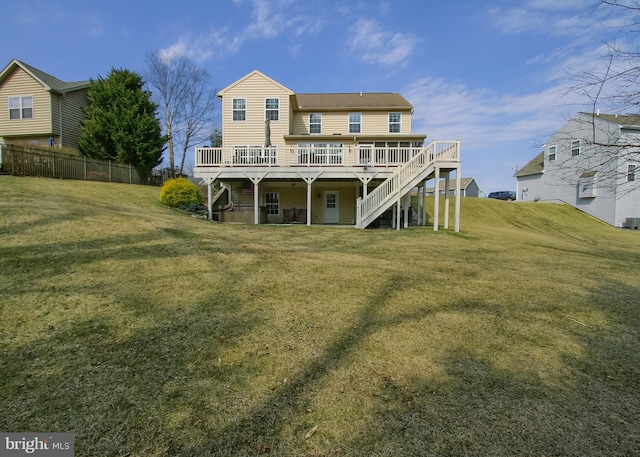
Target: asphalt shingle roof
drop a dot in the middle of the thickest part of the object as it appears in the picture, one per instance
(351, 101)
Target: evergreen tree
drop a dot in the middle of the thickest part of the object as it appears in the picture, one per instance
(120, 123)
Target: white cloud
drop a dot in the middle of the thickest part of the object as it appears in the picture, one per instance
(450, 110)
(376, 45)
(268, 20)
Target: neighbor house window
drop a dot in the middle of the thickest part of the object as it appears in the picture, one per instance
(631, 172)
(272, 109)
(355, 122)
(575, 148)
(315, 123)
(553, 150)
(394, 122)
(273, 202)
(21, 107)
(239, 109)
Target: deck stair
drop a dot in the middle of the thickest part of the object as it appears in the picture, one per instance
(404, 179)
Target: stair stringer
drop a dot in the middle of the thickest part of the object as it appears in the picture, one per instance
(392, 197)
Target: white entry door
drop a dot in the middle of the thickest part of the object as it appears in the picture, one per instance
(331, 207)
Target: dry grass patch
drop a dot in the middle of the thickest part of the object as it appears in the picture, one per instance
(147, 332)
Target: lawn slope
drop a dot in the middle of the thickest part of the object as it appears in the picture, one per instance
(148, 332)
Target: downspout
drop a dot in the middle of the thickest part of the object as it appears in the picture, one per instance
(60, 120)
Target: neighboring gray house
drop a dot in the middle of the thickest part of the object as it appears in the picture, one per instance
(468, 188)
(591, 163)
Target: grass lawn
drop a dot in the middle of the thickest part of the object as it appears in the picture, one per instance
(147, 332)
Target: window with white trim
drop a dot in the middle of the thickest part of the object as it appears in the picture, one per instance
(272, 109)
(553, 152)
(355, 122)
(21, 107)
(395, 120)
(272, 202)
(575, 148)
(239, 109)
(631, 172)
(315, 123)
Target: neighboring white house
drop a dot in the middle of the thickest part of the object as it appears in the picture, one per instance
(591, 163)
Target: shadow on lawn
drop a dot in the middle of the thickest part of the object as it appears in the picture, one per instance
(157, 393)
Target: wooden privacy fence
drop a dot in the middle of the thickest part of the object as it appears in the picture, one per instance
(26, 161)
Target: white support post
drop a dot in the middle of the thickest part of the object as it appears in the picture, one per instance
(309, 203)
(256, 208)
(399, 214)
(458, 198)
(446, 201)
(420, 205)
(436, 200)
(407, 200)
(358, 210)
(209, 202)
(424, 204)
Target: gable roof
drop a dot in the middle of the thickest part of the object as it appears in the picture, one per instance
(249, 75)
(534, 167)
(358, 101)
(464, 183)
(49, 82)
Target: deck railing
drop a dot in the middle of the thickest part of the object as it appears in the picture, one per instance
(330, 155)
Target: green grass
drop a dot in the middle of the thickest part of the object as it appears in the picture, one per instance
(148, 332)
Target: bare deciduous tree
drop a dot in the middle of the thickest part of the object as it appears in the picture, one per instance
(612, 85)
(187, 102)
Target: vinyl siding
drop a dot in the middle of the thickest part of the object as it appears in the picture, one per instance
(373, 123)
(255, 89)
(73, 104)
(295, 196)
(20, 83)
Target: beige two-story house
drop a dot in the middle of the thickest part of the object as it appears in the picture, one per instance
(38, 109)
(327, 158)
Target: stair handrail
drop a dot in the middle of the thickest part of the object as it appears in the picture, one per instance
(436, 150)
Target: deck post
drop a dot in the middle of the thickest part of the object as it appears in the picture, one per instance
(309, 203)
(458, 198)
(446, 200)
(399, 207)
(256, 214)
(436, 200)
(407, 203)
(209, 202)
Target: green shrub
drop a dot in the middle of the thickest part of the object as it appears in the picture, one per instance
(180, 191)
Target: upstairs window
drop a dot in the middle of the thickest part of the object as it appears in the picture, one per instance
(355, 122)
(315, 123)
(21, 107)
(272, 109)
(631, 173)
(553, 150)
(394, 122)
(575, 148)
(239, 109)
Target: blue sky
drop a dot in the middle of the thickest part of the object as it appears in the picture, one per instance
(492, 73)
